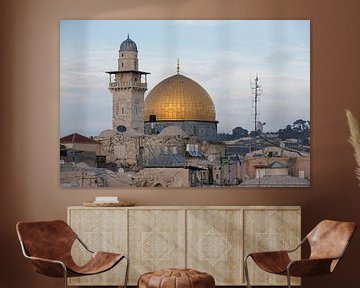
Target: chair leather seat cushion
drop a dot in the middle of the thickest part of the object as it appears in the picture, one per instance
(272, 262)
(99, 262)
(176, 278)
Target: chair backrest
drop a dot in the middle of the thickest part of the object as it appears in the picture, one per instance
(46, 239)
(329, 239)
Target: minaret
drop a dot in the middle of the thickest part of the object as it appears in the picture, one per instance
(128, 86)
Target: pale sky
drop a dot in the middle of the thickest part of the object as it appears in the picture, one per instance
(222, 56)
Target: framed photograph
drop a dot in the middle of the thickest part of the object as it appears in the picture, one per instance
(184, 103)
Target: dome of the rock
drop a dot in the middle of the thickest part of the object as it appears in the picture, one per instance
(179, 98)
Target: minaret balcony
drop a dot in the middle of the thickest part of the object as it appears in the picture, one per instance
(127, 84)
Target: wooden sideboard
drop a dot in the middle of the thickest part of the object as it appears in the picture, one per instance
(211, 239)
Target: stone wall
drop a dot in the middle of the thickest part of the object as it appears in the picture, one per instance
(203, 130)
(162, 177)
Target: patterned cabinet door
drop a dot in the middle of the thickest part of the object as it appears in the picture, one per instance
(156, 240)
(269, 230)
(214, 244)
(101, 230)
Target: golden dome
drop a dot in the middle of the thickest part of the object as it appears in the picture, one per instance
(179, 98)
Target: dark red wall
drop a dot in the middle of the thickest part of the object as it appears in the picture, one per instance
(29, 111)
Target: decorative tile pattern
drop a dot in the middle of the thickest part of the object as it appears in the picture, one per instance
(214, 243)
(157, 241)
(156, 246)
(269, 240)
(99, 240)
(213, 246)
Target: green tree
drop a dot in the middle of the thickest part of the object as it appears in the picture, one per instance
(239, 132)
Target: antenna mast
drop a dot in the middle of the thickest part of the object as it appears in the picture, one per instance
(256, 90)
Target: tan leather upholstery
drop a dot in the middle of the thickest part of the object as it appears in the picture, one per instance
(328, 239)
(176, 278)
(47, 243)
(272, 262)
(328, 242)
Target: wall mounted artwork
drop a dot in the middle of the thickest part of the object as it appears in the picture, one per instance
(184, 103)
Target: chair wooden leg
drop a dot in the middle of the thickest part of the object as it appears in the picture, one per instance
(246, 270)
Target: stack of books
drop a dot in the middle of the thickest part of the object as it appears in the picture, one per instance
(106, 199)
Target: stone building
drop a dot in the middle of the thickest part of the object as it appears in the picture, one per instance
(79, 142)
(276, 181)
(128, 85)
(162, 177)
(171, 158)
(76, 148)
(277, 161)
